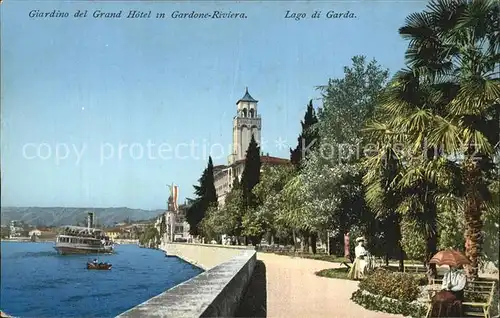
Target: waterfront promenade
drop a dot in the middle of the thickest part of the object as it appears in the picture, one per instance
(293, 290)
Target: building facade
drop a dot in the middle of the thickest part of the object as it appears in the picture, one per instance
(17, 228)
(246, 123)
(176, 227)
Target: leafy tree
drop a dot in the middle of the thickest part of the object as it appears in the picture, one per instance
(206, 196)
(251, 173)
(336, 195)
(413, 239)
(150, 237)
(210, 226)
(451, 227)
(163, 225)
(231, 214)
(348, 102)
(5, 232)
(308, 138)
(254, 225)
(267, 192)
(332, 175)
(293, 212)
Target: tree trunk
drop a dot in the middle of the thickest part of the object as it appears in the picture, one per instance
(294, 237)
(387, 259)
(303, 241)
(432, 240)
(473, 222)
(398, 237)
(401, 260)
(328, 243)
(312, 242)
(333, 245)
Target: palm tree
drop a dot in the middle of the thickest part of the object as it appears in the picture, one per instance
(405, 176)
(383, 197)
(449, 99)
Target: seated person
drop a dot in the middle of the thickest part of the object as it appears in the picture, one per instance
(448, 302)
(95, 261)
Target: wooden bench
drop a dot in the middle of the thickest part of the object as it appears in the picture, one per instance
(484, 288)
(418, 269)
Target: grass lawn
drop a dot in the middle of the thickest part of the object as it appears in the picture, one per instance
(339, 273)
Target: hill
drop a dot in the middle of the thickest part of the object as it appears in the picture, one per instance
(56, 216)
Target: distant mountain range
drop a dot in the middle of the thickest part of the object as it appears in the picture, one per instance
(56, 216)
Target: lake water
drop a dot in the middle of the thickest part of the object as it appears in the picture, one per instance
(37, 282)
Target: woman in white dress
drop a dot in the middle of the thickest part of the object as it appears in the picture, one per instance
(358, 268)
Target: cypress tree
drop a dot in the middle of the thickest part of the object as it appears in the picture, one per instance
(206, 195)
(210, 195)
(251, 172)
(308, 138)
(306, 142)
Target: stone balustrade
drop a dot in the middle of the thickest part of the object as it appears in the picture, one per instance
(217, 292)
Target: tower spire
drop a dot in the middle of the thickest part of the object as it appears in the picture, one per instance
(247, 97)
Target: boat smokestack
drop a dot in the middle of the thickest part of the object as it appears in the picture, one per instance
(90, 220)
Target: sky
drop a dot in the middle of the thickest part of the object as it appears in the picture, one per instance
(81, 98)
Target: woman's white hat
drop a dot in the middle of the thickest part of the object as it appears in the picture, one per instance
(359, 239)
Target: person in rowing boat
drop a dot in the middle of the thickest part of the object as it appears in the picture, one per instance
(95, 261)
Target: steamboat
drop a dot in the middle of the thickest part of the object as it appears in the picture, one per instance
(83, 240)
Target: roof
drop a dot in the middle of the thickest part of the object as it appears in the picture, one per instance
(247, 97)
(268, 160)
(74, 227)
(114, 229)
(136, 225)
(44, 229)
(219, 168)
(80, 229)
(274, 160)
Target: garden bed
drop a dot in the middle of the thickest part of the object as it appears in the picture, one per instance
(338, 273)
(398, 293)
(392, 292)
(388, 305)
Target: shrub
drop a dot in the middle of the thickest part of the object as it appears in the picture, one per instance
(396, 285)
(379, 303)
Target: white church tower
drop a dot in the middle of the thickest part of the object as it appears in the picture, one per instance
(246, 122)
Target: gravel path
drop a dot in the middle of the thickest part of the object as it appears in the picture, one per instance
(293, 290)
